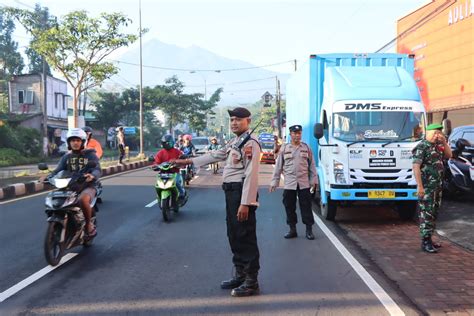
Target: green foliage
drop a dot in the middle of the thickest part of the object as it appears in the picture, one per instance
(77, 45)
(25, 140)
(11, 62)
(43, 21)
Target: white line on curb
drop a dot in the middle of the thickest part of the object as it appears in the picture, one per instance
(34, 277)
(383, 297)
(151, 203)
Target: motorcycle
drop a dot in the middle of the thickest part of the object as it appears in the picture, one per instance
(187, 172)
(166, 190)
(459, 170)
(66, 221)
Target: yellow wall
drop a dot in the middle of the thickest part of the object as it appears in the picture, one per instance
(444, 53)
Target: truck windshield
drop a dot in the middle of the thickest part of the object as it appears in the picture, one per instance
(378, 126)
(267, 145)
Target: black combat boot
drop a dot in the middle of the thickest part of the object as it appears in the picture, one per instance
(292, 233)
(236, 281)
(309, 232)
(427, 245)
(248, 288)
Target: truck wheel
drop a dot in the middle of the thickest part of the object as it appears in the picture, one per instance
(406, 209)
(328, 210)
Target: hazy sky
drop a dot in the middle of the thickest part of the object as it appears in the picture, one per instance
(258, 31)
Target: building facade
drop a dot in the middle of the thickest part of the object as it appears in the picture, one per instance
(441, 36)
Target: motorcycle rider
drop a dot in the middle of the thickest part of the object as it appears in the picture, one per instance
(214, 145)
(166, 154)
(188, 147)
(73, 161)
(91, 143)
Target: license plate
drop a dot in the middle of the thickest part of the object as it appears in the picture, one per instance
(471, 171)
(381, 194)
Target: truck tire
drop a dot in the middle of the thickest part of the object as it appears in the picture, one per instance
(407, 209)
(328, 210)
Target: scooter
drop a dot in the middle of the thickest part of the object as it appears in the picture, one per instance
(166, 190)
(459, 171)
(66, 222)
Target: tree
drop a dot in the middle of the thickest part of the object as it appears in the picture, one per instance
(11, 62)
(43, 21)
(77, 45)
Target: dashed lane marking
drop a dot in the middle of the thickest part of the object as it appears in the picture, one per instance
(34, 277)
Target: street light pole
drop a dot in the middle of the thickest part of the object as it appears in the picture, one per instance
(278, 109)
(141, 79)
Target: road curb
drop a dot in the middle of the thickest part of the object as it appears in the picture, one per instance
(23, 189)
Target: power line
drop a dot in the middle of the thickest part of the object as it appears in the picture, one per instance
(230, 83)
(204, 70)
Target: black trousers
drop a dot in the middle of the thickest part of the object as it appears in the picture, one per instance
(122, 152)
(289, 201)
(242, 235)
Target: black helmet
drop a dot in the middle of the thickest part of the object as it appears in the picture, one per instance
(167, 141)
(87, 129)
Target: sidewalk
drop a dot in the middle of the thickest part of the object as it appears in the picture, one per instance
(439, 284)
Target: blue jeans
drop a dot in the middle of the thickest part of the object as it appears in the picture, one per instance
(180, 185)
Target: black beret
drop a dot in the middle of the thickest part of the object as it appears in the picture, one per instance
(296, 128)
(239, 112)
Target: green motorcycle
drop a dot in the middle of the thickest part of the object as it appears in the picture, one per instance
(166, 190)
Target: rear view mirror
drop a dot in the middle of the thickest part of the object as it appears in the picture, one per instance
(318, 130)
(447, 127)
(43, 166)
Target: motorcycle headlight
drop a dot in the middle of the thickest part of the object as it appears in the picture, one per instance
(168, 184)
(338, 169)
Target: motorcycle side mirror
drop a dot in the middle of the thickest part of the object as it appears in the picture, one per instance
(43, 166)
(318, 130)
(151, 158)
(447, 127)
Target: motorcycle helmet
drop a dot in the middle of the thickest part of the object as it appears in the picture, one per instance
(76, 133)
(87, 129)
(167, 141)
(187, 137)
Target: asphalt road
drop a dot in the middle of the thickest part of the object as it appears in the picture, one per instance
(141, 265)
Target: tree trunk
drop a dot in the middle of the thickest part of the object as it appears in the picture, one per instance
(74, 106)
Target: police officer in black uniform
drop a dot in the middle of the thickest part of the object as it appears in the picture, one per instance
(240, 177)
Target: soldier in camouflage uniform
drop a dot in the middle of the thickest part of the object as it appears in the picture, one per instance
(428, 168)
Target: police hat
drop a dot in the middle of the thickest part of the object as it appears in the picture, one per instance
(296, 128)
(434, 126)
(239, 112)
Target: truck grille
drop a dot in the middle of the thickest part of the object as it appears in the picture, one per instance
(380, 175)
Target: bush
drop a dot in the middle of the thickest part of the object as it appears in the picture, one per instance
(26, 141)
(12, 157)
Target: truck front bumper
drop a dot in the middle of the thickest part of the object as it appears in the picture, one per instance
(363, 194)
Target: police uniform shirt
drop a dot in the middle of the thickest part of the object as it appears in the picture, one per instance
(240, 165)
(293, 161)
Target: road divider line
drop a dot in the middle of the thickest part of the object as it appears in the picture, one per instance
(151, 203)
(34, 277)
(378, 291)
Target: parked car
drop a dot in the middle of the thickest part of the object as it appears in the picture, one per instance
(466, 132)
(201, 143)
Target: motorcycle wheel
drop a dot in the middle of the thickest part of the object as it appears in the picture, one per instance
(53, 247)
(165, 209)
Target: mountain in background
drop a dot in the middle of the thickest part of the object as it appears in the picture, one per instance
(157, 53)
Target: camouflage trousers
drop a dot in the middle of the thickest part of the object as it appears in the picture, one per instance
(429, 206)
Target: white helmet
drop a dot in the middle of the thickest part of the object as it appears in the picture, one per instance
(78, 133)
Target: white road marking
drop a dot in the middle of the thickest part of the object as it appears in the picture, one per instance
(34, 277)
(383, 297)
(151, 203)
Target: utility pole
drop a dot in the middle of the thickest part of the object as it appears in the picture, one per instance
(141, 80)
(277, 100)
(296, 65)
(45, 106)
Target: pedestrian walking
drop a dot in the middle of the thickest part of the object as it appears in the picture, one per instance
(428, 168)
(295, 161)
(240, 184)
(121, 144)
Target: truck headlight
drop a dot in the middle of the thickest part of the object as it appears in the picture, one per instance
(338, 169)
